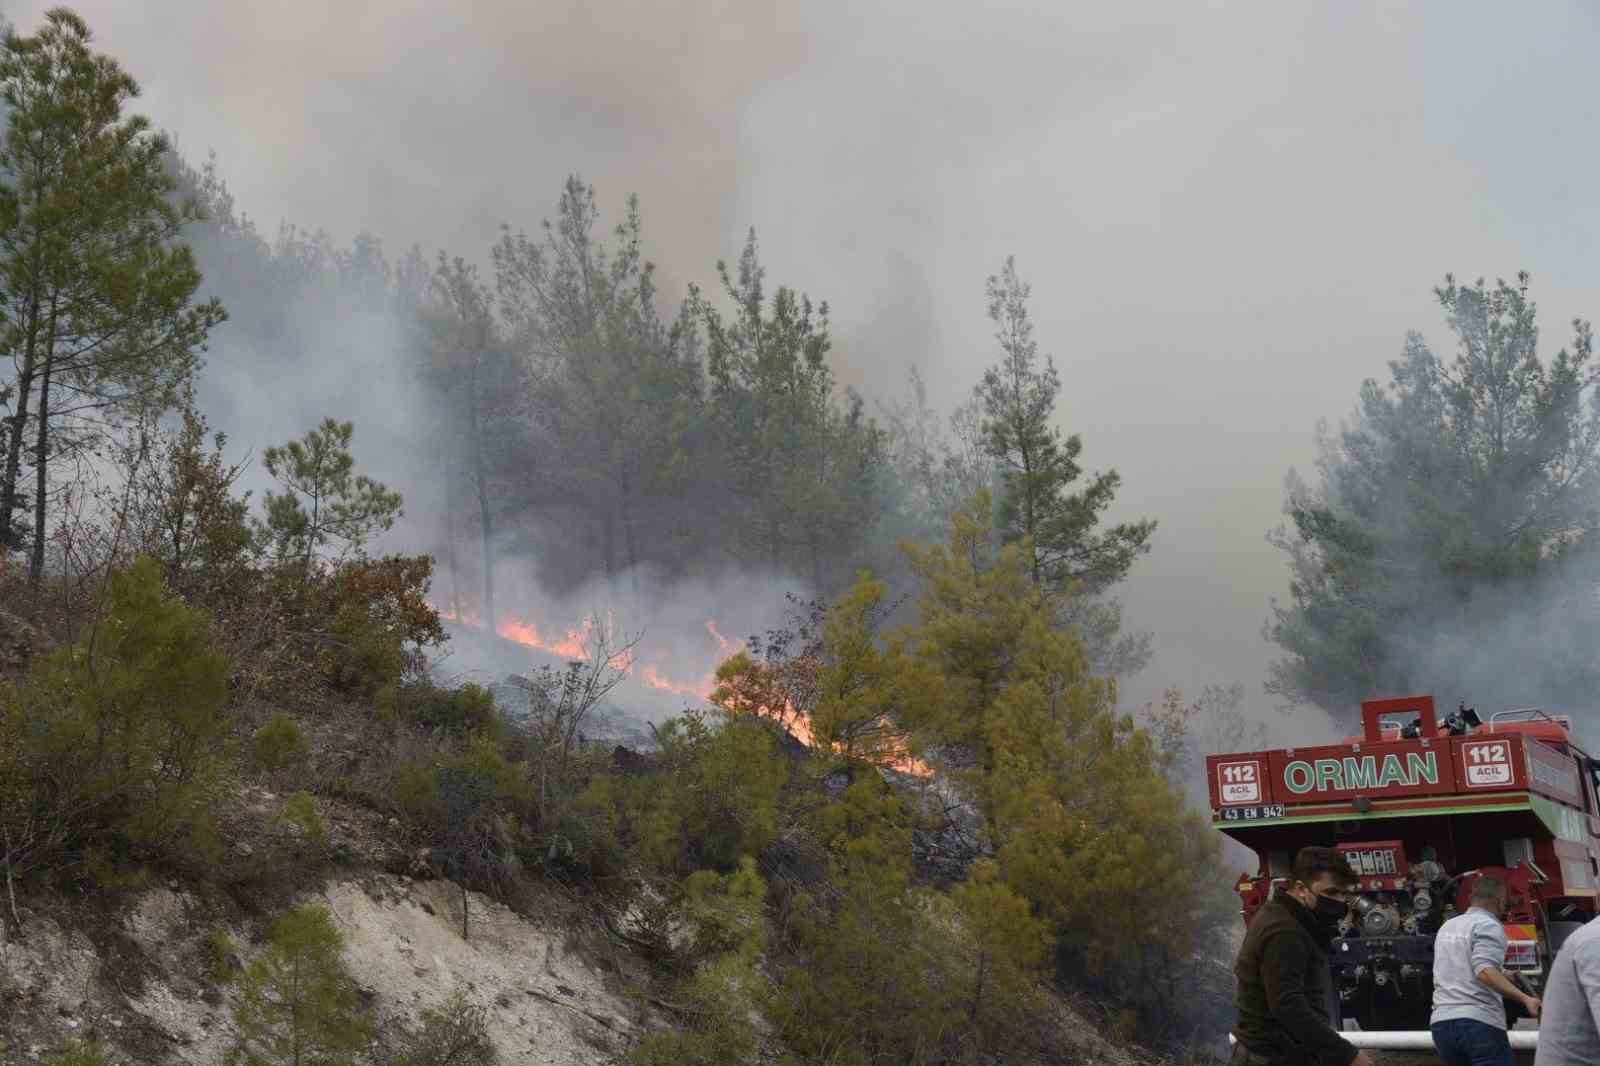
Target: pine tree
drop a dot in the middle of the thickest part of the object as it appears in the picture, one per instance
(804, 470)
(1455, 512)
(1066, 550)
(471, 363)
(118, 740)
(616, 391)
(326, 502)
(97, 292)
(297, 1002)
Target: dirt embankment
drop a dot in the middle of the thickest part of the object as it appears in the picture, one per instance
(139, 980)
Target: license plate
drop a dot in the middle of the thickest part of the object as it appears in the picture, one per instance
(1252, 814)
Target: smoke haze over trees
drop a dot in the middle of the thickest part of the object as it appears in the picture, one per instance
(1450, 545)
(922, 803)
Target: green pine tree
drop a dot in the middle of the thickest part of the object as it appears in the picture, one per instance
(326, 503)
(297, 1002)
(1066, 549)
(97, 291)
(1455, 512)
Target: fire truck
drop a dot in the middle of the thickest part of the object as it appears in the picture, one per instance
(1422, 808)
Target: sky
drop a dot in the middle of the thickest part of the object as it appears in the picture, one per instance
(1230, 214)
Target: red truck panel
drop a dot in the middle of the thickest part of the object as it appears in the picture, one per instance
(1238, 780)
(1491, 764)
(1344, 771)
(1553, 774)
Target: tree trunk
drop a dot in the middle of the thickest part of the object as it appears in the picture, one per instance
(480, 484)
(610, 547)
(627, 534)
(13, 467)
(42, 474)
(450, 551)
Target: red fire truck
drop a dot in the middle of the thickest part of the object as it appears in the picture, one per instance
(1422, 808)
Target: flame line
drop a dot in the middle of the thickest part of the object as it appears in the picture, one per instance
(577, 642)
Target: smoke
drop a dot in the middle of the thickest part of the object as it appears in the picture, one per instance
(1529, 643)
(677, 631)
(1229, 213)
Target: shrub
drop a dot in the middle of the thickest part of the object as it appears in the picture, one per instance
(456, 1033)
(586, 842)
(465, 805)
(718, 1002)
(301, 816)
(80, 1053)
(279, 743)
(718, 798)
(222, 957)
(459, 712)
(380, 618)
(120, 739)
(725, 917)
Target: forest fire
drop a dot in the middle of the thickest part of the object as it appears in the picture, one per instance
(579, 643)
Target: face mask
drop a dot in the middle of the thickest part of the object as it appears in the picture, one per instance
(1331, 911)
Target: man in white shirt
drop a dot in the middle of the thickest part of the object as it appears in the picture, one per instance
(1569, 1035)
(1469, 989)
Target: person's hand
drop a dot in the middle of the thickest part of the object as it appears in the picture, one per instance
(1533, 1004)
(1362, 1059)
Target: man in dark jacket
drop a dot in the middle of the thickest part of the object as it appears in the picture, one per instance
(1284, 980)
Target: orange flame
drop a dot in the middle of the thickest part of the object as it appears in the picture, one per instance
(577, 642)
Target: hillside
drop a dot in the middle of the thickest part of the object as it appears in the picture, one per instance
(144, 960)
(137, 976)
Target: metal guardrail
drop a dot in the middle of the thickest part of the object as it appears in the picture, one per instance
(1420, 1040)
(1531, 714)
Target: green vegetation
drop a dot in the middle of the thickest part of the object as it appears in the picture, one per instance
(222, 957)
(325, 503)
(98, 293)
(301, 816)
(279, 743)
(117, 743)
(455, 1033)
(219, 664)
(297, 1003)
(1454, 511)
(80, 1053)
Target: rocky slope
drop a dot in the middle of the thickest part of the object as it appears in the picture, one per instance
(138, 978)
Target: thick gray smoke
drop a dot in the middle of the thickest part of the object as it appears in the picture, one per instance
(1527, 644)
(1229, 214)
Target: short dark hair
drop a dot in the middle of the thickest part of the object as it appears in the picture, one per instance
(1312, 862)
(1487, 888)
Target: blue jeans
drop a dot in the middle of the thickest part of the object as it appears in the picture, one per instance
(1465, 1042)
